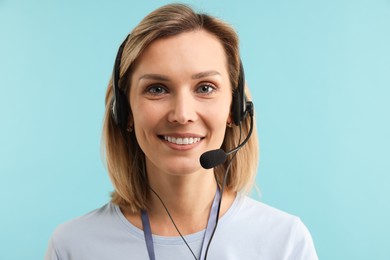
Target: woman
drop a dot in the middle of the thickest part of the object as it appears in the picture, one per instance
(177, 93)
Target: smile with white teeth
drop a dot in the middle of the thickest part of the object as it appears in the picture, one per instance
(182, 141)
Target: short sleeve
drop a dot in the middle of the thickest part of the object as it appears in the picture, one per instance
(303, 246)
(51, 252)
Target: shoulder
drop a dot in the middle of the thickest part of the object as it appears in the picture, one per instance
(270, 229)
(258, 211)
(82, 230)
(263, 215)
(95, 235)
(86, 222)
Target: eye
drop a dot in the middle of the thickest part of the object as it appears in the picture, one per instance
(206, 88)
(156, 90)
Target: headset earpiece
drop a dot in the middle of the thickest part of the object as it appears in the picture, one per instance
(120, 105)
(239, 103)
(120, 110)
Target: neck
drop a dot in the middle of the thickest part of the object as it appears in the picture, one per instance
(183, 194)
(188, 200)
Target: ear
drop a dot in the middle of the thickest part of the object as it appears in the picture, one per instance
(130, 125)
(229, 121)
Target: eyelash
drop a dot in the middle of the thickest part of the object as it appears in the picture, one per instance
(151, 90)
(209, 86)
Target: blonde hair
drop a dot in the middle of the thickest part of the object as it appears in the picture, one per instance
(125, 159)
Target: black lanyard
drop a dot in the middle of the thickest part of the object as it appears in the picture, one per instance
(207, 236)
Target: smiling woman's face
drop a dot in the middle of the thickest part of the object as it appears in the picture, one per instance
(180, 99)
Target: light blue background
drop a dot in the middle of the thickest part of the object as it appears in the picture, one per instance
(319, 72)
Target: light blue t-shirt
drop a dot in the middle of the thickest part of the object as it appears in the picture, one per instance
(248, 230)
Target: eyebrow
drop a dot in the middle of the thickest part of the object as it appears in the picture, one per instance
(205, 74)
(195, 76)
(154, 77)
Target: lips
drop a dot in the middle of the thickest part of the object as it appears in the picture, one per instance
(182, 140)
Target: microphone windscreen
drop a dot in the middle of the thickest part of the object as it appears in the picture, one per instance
(212, 158)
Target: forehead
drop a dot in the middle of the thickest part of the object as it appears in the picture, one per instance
(199, 48)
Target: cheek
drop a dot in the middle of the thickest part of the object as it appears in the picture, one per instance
(146, 114)
(221, 110)
(218, 115)
(146, 119)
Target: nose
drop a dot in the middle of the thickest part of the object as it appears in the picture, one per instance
(183, 109)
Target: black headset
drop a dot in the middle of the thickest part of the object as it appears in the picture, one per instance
(120, 106)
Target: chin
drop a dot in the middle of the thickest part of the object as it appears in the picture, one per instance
(177, 166)
(184, 170)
